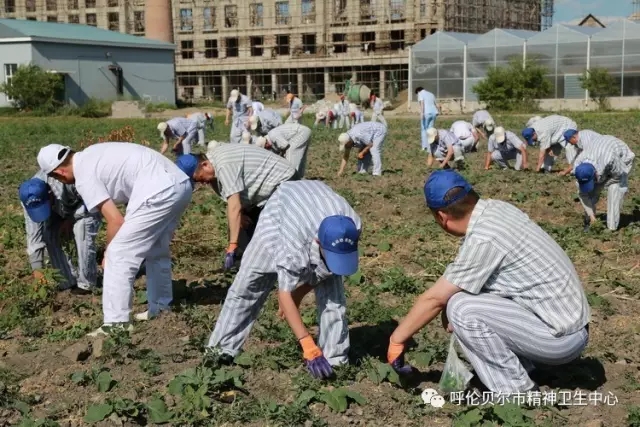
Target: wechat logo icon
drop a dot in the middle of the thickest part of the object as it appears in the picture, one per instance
(431, 397)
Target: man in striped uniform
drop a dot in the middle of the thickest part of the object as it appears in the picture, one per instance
(368, 139)
(597, 167)
(202, 119)
(244, 176)
(579, 140)
(549, 134)
(264, 121)
(378, 109)
(306, 240)
(184, 130)
(512, 297)
(444, 146)
(503, 146)
(357, 116)
(239, 110)
(296, 108)
(466, 134)
(483, 122)
(291, 142)
(53, 211)
(532, 120)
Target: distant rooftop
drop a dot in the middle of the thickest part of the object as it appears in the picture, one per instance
(74, 34)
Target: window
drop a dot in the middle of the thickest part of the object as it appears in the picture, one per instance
(32, 18)
(368, 41)
(396, 10)
(340, 11)
(73, 19)
(138, 21)
(112, 3)
(257, 46)
(90, 4)
(186, 20)
(211, 48)
(232, 47)
(309, 43)
(282, 45)
(113, 19)
(52, 5)
(282, 13)
(52, 19)
(230, 16)
(308, 11)
(397, 39)
(339, 43)
(90, 19)
(9, 72)
(30, 5)
(9, 6)
(423, 8)
(72, 4)
(186, 47)
(209, 16)
(256, 12)
(367, 13)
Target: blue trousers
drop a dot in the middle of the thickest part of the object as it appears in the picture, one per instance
(427, 122)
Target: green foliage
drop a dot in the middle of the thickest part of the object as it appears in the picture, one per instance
(600, 84)
(100, 377)
(37, 422)
(378, 372)
(337, 399)
(507, 415)
(514, 87)
(32, 87)
(633, 416)
(398, 283)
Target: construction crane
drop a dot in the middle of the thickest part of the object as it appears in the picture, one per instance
(547, 13)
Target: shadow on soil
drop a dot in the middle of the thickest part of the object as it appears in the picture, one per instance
(205, 292)
(585, 373)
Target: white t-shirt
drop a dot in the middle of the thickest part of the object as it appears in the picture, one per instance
(462, 129)
(124, 172)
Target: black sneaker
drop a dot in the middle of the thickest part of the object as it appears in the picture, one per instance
(586, 223)
(80, 291)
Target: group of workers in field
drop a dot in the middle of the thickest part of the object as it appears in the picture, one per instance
(304, 236)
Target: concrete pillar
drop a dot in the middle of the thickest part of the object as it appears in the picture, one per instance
(382, 83)
(327, 82)
(274, 84)
(198, 90)
(354, 75)
(249, 86)
(300, 85)
(225, 86)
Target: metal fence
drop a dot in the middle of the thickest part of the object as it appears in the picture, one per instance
(450, 64)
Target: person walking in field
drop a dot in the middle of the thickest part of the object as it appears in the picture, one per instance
(239, 110)
(54, 212)
(264, 121)
(290, 141)
(244, 176)
(428, 113)
(444, 146)
(549, 134)
(603, 165)
(184, 130)
(357, 116)
(512, 298)
(466, 134)
(296, 108)
(368, 138)
(306, 240)
(378, 109)
(504, 146)
(202, 119)
(155, 192)
(483, 122)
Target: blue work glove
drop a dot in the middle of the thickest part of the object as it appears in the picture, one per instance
(395, 357)
(314, 360)
(229, 260)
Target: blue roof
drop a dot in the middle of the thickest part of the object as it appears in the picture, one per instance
(74, 33)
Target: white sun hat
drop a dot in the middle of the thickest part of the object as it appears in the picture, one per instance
(253, 121)
(261, 141)
(343, 139)
(489, 125)
(234, 95)
(162, 127)
(500, 134)
(431, 135)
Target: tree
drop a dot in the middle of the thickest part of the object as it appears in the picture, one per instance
(600, 84)
(31, 87)
(514, 86)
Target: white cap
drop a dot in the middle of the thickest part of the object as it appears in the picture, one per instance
(343, 139)
(489, 124)
(431, 135)
(162, 127)
(246, 137)
(321, 115)
(253, 121)
(353, 107)
(50, 157)
(500, 134)
(234, 95)
(261, 141)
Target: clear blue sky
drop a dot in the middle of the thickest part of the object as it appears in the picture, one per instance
(567, 10)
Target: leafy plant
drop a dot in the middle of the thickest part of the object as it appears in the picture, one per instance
(507, 415)
(100, 377)
(32, 87)
(379, 372)
(398, 283)
(37, 422)
(600, 84)
(633, 416)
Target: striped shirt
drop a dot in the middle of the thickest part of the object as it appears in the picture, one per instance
(240, 108)
(462, 129)
(505, 253)
(550, 130)
(269, 119)
(621, 148)
(282, 136)
(295, 106)
(181, 126)
(445, 140)
(295, 212)
(199, 118)
(603, 155)
(586, 138)
(378, 106)
(256, 107)
(366, 133)
(252, 171)
(511, 142)
(480, 117)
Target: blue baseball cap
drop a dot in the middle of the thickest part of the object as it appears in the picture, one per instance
(438, 185)
(188, 163)
(527, 134)
(568, 134)
(586, 175)
(338, 236)
(34, 195)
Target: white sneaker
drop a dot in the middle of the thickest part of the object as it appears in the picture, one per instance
(106, 329)
(147, 315)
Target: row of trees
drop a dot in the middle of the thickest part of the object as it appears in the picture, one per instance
(518, 87)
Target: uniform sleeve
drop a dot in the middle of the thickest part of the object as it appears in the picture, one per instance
(279, 140)
(229, 105)
(287, 279)
(247, 103)
(475, 264)
(230, 180)
(35, 241)
(491, 144)
(93, 192)
(515, 141)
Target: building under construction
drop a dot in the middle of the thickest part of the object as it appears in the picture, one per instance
(311, 47)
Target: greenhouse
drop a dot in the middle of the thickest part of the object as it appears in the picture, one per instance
(450, 64)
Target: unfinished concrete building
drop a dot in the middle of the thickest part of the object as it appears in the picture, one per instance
(265, 47)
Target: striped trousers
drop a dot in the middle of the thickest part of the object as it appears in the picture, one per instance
(378, 117)
(503, 341)
(297, 152)
(616, 190)
(373, 156)
(501, 158)
(238, 126)
(257, 277)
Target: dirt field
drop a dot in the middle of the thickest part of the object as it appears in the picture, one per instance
(49, 372)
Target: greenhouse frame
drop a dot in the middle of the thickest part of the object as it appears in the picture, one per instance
(450, 64)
